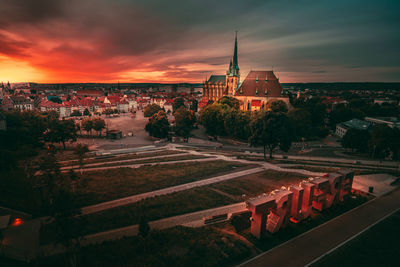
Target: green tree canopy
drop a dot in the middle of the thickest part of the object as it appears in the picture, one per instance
(271, 130)
(277, 106)
(178, 102)
(183, 122)
(86, 112)
(151, 109)
(356, 139)
(384, 140)
(230, 101)
(212, 118)
(87, 125)
(98, 124)
(300, 118)
(61, 131)
(158, 125)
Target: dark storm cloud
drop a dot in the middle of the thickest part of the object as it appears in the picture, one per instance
(188, 39)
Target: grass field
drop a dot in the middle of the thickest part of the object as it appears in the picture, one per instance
(201, 198)
(122, 157)
(177, 246)
(174, 158)
(100, 186)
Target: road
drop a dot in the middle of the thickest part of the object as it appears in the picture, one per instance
(309, 246)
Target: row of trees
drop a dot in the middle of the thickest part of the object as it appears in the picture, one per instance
(90, 124)
(158, 125)
(381, 142)
(270, 128)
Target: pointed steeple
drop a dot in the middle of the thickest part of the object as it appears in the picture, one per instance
(235, 58)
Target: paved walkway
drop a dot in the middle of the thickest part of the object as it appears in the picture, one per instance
(309, 246)
(134, 166)
(122, 161)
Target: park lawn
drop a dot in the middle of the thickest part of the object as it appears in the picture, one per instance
(122, 157)
(167, 159)
(177, 246)
(378, 246)
(154, 208)
(258, 183)
(191, 200)
(105, 185)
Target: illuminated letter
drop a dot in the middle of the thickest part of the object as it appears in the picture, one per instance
(347, 183)
(297, 200)
(320, 191)
(308, 194)
(335, 183)
(279, 216)
(260, 208)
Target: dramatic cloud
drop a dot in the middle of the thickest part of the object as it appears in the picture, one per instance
(178, 41)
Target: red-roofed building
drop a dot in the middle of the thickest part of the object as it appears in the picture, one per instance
(259, 87)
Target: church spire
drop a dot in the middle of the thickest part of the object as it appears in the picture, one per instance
(235, 58)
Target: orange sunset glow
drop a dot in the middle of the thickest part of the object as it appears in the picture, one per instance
(141, 41)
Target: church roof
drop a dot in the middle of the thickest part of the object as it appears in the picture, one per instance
(260, 83)
(217, 78)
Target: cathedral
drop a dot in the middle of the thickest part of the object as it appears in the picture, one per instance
(257, 89)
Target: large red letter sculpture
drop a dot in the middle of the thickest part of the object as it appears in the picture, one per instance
(320, 191)
(273, 211)
(335, 182)
(347, 182)
(280, 215)
(260, 208)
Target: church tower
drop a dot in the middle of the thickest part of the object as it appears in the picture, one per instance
(233, 73)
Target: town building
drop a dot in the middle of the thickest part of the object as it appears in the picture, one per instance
(343, 127)
(257, 89)
(392, 122)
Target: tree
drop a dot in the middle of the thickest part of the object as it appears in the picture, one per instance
(343, 113)
(270, 130)
(98, 125)
(81, 150)
(384, 140)
(87, 125)
(230, 101)
(61, 131)
(300, 118)
(194, 105)
(86, 112)
(236, 123)
(178, 102)
(212, 118)
(47, 180)
(356, 139)
(151, 109)
(183, 122)
(277, 106)
(158, 125)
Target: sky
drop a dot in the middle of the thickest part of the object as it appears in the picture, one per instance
(57, 41)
